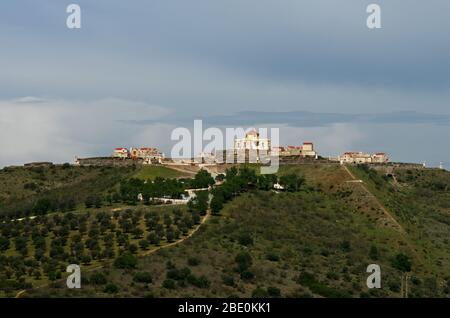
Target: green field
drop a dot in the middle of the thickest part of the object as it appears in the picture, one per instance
(152, 172)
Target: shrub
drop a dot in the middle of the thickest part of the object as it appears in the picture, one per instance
(259, 292)
(228, 280)
(244, 261)
(143, 277)
(247, 275)
(193, 261)
(97, 279)
(402, 262)
(125, 261)
(273, 291)
(271, 256)
(111, 289)
(169, 284)
(245, 239)
(144, 244)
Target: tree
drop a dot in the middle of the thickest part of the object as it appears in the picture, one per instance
(202, 179)
(142, 277)
(4, 243)
(167, 220)
(98, 278)
(244, 261)
(169, 284)
(137, 233)
(89, 202)
(245, 239)
(170, 235)
(266, 181)
(402, 262)
(86, 259)
(291, 182)
(133, 248)
(217, 203)
(373, 254)
(154, 238)
(144, 244)
(125, 261)
(42, 206)
(273, 291)
(111, 289)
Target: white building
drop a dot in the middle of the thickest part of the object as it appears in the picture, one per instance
(252, 141)
(380, 157)
(121, 153)
(361, 157)
(307, 150)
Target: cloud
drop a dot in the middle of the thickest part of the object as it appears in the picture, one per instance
(35, 129)
(309, 119)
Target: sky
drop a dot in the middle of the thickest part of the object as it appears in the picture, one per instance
(138, 69)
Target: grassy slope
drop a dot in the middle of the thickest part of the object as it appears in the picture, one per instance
(420, 201)
(152, 172)
(327, 231)
(56, 181)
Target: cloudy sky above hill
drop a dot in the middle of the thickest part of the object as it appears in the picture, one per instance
(138, 69)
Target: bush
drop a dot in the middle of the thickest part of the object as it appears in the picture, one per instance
(228, 280)
(402, 262)
(144, 244)
(373, 254)
(97, 279)
(193, 261)
(133, 248)
(125, 261)
(247, 275)
(178, 274)
(245, 239)
(259, 292)
(271, 256)
(244, 261)
(169, 284)
(200, 282)
(111, 289)
(273, 291)
(142, 277)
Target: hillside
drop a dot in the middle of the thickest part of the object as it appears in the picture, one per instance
(313, 243)
(316, 242)
(28, 191)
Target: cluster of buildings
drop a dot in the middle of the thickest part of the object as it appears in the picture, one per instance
(307, 150)
(252, 141)
(361, 157)
(148, 155)
(253, 148)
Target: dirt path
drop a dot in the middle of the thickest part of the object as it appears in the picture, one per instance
(400, 228)
(205, 218)
(146, 253)
(375, 199)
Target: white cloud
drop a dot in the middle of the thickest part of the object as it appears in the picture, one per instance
(34, 129)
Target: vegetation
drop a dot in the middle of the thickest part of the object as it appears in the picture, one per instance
(314, 239)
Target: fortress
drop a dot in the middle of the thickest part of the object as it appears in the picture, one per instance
(148, 155)
(251, 149)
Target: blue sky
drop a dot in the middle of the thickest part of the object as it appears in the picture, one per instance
(137, 69)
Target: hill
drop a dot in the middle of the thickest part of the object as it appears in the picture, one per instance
(316, 242)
